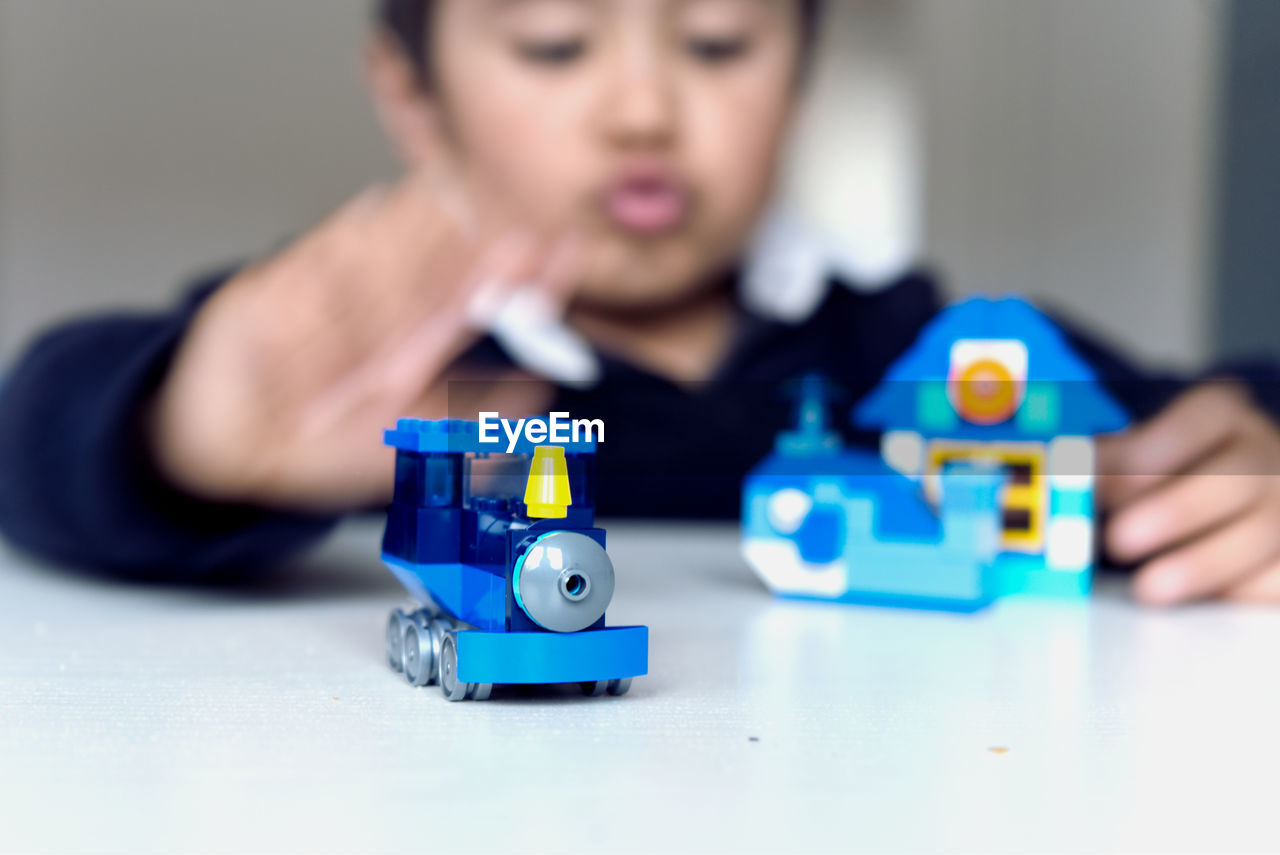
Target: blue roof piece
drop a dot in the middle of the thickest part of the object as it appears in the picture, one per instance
(1086, 407)
(455, 436)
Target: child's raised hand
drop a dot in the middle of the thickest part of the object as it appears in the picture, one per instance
(1194, 495)
(279, 392)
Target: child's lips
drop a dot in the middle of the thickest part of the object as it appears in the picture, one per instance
(647, 203)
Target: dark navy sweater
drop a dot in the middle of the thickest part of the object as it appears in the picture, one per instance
(77, 485)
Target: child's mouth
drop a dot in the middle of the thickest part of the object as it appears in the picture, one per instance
(647, 202)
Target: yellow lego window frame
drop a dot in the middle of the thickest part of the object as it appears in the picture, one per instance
(1030, 498)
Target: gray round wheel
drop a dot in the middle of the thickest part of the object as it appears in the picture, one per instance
(450, 686)
(481, 691)
(619, 687)
(594, 688)
(395, 639)
(419, 654)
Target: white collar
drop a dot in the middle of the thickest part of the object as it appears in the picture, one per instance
(791, 264)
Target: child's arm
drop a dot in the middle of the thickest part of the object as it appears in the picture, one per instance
(236, 430)
(76, 481)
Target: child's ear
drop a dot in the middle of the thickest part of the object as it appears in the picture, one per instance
(409, 115)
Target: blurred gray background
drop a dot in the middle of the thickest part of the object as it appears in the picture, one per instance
(1087, 152)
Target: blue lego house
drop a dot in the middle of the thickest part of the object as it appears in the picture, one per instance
(995, 382)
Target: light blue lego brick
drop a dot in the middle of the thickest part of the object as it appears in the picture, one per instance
(468, 593)
(1027, 575)
(954, 569)
(970, 503)
(547, 657)
(1072, 503)
(1041, 409)
(1057, 584)
(934, 408)
(454, 436)
(922, 575)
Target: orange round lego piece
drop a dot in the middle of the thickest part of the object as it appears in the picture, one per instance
(986, 393)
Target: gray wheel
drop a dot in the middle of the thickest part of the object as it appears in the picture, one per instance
(594, 689)
(440, 627)
(395, 639)
(450, 686)
(481, 691)
(419, 654)
(619, 687)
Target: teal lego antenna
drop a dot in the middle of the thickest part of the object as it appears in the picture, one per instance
(811, 433)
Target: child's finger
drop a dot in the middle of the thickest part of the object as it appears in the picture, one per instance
(477, 207)
(448, 329)
(1260, 587)
(509, 391)
(415, 261)
(1218, 489)
(356, 210)
(509, 264)
(425, 247)
(1114, 489)
(563, 271)
(399, 371)
(529, 325)
(1191, 427)
(1213, 562)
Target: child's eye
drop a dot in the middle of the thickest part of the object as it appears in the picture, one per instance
(559, 52)
(715, 51)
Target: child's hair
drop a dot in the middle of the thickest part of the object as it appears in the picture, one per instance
(410, 22)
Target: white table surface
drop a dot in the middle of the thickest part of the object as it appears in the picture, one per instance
(135, 719)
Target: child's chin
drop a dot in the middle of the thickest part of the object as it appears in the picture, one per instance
(637, 293)
(645, 281)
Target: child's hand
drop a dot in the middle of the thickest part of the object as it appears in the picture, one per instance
(1195, 495)
(281, 388)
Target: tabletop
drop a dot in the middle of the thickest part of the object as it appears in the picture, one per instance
(266, 720)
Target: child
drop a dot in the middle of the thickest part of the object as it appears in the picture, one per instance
(619, 153)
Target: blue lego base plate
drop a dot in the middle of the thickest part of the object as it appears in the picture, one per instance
(614, 653)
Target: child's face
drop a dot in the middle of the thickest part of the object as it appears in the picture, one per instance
(649, 128)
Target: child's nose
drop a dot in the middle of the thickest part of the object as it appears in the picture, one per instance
(640, 107)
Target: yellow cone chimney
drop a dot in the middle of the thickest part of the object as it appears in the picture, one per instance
(547, 494)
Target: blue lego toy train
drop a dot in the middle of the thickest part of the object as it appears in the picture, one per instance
(513, 592)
